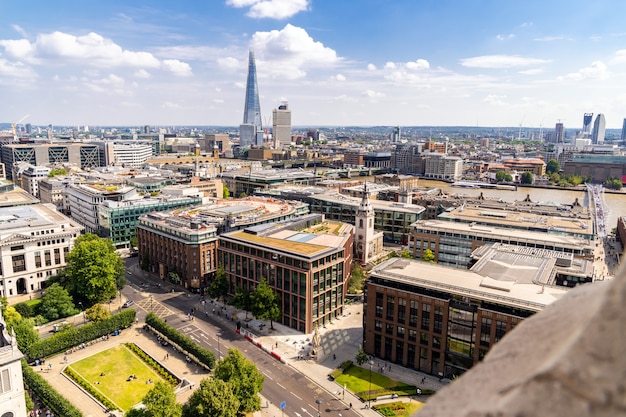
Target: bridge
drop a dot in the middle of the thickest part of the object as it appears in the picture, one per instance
(596, 203)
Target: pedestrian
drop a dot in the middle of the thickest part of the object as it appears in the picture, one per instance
(350, 405)
(334, 357)
(423, 379)
(267, 404)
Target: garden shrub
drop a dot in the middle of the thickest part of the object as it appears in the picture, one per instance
(48, 395)
(62, 341)
(203, 355)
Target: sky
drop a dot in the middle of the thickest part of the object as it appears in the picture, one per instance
(336, 62)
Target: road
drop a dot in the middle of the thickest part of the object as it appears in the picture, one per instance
(282, 382)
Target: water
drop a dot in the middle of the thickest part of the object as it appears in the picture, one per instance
(616, 203)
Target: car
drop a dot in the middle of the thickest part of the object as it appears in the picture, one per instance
(128, 304)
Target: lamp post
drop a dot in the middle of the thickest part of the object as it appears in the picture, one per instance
(369, 392)
(318, 402)
(81, 308)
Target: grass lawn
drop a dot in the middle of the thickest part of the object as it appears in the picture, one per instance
(117, 363)
(357, 380)
(398, 409)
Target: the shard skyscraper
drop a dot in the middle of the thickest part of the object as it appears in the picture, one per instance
(251, 130)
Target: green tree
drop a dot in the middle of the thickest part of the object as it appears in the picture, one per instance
(145, 261)
(242, 300)
(160, 401)
(500, 176)
(56, 303)
(97, 312)
(613, 183)
(265, 303)
(553, 167)
(361, 356)
(25, 333)
(219, 286)
(555, 178)
(95, 271)
(406, 253)
(244, 377)
(213, 397)
(527, 178)
(357, 279)
(225, 192)
(134, 241)
(428, 256)
(11, 315)
(174, 277)
(57, 171)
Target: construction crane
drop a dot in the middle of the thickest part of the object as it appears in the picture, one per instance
(13, 126)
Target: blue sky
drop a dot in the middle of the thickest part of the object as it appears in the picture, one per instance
(337, 62)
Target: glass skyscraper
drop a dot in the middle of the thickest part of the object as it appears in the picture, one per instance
(251, 130)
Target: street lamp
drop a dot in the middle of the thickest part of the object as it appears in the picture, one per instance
(369, 392)
(318, 402)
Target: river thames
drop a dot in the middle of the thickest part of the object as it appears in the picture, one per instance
(615, 203)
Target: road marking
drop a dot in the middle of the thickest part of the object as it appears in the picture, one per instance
(281, 386)
(296, 397)
(203, 335)
(267, 376)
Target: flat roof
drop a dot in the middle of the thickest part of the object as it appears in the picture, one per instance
(335, 197)
(299, 248)
(506, 234)
(468, 283)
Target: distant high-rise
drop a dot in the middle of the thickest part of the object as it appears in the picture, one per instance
(624, 130)
(599, 127)
(251, 130)
(281, 124)
(587, 123)
(559, 133)
(396, 134)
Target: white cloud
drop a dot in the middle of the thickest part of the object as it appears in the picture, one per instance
(390, 65)
(340, 77)
(18, 48)
(620, 57)
(15, 69)
(532, 71)
(142, 73)
(371, 67)
(495, 99)
(417, 64)
(505, 37)
(273, 9)
(372, 94)
(553, 38)
(290, 51)
(176, 67)
(19, 30)
(170, 105)
(228, 62)
(110, 85)
(500, 61)
(218, 100)
(597, 70)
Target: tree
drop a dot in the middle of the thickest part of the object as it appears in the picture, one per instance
(406, 253)
(56, 303)
(502, 176)
(25, 333)
(527, 178)
(357, 279)
(242, 300)
(11, 315)
(213, 397)
(145, 262)
(134, 241)
(361, 356)
(160, 401)
(553, 167)
(174, 277)
(265, 303)
(245, 379)
(225, 192)
(97, 312)
(219, 286)
(428, 256)
(95, 271)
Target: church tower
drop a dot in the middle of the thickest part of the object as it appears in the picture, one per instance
(364, 228)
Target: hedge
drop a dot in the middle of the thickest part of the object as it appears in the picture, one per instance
(64, 340)
(48, 395)
(205, 356)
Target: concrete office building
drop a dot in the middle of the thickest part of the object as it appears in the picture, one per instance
(306, 263)
(443, 167)
(281, 125)
(599, 130)
(31, 177)
(83, 155)
(34, 243)
(185, 240)
(441, 320)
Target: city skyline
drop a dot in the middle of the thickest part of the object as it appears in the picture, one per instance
(403, 63)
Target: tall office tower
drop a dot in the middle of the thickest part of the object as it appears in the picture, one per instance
(251, 130)
(559, 133)
(599, 128)
(395, 138)
(281, 124)
(587, 124)
(624, 130)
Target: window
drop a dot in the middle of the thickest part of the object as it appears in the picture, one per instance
(389, 328)
(500, 330)
(400, 332)
(379, 304)
(412, 335)
(378, 326)
(413, 313)
(424, 339)
(425, 316)
(19, 263)
(485, 332)
(390, 307)
(438, 322)
(5, 381)
(38, 259)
